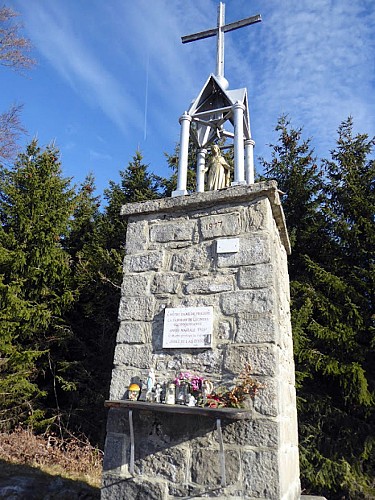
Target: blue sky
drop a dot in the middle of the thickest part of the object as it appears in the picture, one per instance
(113, 76)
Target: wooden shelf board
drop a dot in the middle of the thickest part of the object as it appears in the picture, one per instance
(223, 413)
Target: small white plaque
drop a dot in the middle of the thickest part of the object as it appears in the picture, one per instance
(228, 245)
(187, 327)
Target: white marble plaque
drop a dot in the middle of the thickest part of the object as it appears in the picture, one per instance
(188, 327)
(228, 245)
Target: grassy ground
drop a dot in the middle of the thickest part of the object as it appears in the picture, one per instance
(70, 458)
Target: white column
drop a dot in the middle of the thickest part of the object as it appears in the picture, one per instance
(201, 162)
(183, 157)
(249, 161)
(239, 164)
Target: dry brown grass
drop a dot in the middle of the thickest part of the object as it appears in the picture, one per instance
(72, 458)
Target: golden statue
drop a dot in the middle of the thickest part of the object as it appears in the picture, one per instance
(218, 176)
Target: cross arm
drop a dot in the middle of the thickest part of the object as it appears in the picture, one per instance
(241, 23)
(199, 36)
(227, 27)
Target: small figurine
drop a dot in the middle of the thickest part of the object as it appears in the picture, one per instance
(150, 385)
(191, 401)
(133, 392)
(207, 388)
(158, 391)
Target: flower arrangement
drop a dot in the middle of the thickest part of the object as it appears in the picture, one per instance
(194, 381)
(246, 387)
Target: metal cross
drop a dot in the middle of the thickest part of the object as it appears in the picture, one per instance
(219, 33)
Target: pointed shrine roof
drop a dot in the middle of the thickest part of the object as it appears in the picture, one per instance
(214, 96)
(213, 107)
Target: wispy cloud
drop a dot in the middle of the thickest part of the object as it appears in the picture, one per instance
(318, 66)
(312, 60)
(51, 27)
(99, 156)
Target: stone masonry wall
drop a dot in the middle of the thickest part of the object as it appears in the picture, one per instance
(171, 261)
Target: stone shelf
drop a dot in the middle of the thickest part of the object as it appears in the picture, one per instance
(218, 413)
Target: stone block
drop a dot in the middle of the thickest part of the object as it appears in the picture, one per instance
(257, 276)
(133, 355)
(259, 215)
(200, 301)
(254, 249)
(165, 283)
(206, 470)
(214, 226)
(136, 308)
(255, 328)
(287, 397)
(170, 431)
(209, 284)
(289, 472)
(252, 301)
(135, 285)
(260, 470)
(203, 362)
(195, 257)
(207, 440)
(133, 332)
(267, 399)
(114, 453)
(179, 430)
(117, 422)
(225, 330)
(138, 488)
(122, 376)
(170, 463)
(136, 237)
(151, 261)
(184, 490)
(262, 359)
(178, 230)
(260, 432)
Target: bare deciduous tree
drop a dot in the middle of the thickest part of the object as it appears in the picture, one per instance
(10, 131)
(13, 54)
(13, 46)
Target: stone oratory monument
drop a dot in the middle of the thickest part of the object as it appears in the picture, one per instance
(202, 401)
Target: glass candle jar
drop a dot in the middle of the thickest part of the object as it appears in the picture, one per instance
(170, 396)
(182, 393)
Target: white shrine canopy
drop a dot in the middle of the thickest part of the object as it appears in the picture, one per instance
(214, 106)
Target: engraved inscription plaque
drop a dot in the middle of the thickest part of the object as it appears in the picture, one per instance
(188, 327)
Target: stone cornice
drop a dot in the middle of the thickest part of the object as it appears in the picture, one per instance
(213, 198)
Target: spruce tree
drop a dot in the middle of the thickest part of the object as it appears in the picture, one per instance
(98, 248)
(330, 314)
(35, 283)
(170, 184)
(346, 307)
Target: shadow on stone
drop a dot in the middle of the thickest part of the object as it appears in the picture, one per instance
(165, 452)
(22, 482)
